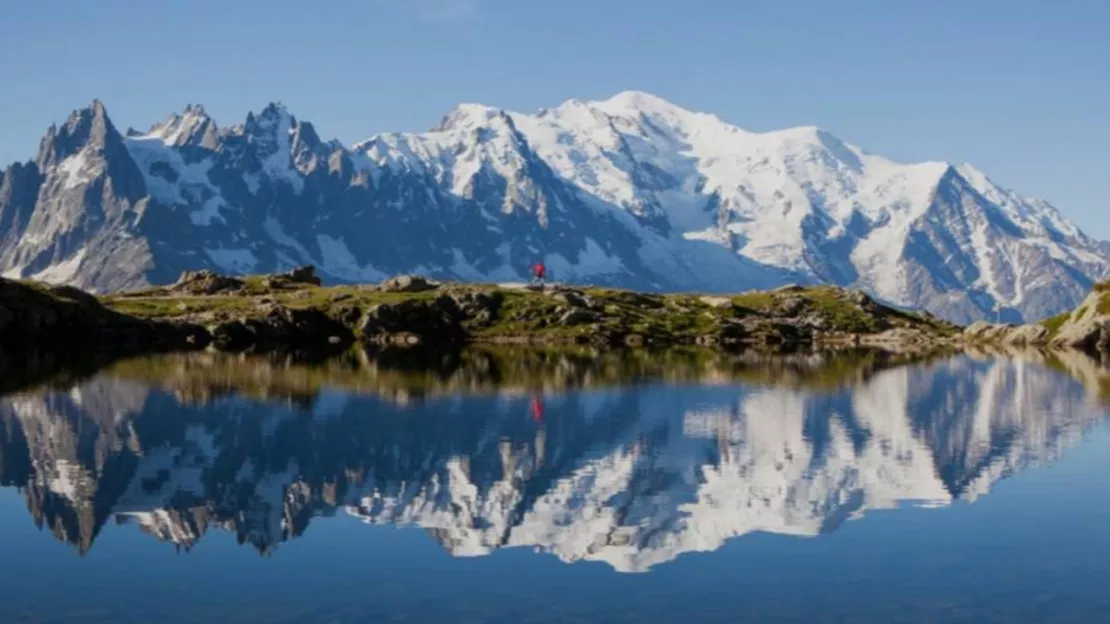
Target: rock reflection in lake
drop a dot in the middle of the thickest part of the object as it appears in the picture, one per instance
(629, 458)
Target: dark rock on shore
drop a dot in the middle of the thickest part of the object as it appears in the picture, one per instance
(205, 283)
(300, 276)
(37, 316)
(289, 308)
(279, 326)
(407, 284)
(438, 319)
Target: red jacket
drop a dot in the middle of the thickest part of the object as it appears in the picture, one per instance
(539, 270)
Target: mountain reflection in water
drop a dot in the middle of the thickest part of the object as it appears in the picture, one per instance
(627, 458)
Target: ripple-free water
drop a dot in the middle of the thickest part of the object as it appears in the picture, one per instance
(555, 488)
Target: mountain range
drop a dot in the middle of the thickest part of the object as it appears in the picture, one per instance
(633, 476)
(632, 191)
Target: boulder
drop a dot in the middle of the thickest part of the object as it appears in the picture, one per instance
(578, 316)
(573, 299)
(474, 304)
(205, 283)
(408, 284)
(298, 326)
(303, 275)
(437, 319)
(790, 306)
(279, 326)
(232, 336)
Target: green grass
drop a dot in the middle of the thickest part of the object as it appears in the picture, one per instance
(1104, 303)
(757, 302)
(531, 315)
(1054, 323)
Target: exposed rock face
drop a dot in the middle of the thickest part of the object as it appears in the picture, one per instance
(578, 316)
(205, 283)
(304, 275)
(631, 192)
(1088, 327)
(246, 315)
(277, 326)
(408, 284)
(46, 317)
(439, 319)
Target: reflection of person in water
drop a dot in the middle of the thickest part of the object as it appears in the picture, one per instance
(537, 408)
(540, 444)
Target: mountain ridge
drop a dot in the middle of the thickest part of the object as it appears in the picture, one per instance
(631, 191)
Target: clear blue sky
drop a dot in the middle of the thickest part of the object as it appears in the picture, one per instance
(1020, 88)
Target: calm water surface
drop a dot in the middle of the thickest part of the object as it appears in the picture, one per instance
(554, 487)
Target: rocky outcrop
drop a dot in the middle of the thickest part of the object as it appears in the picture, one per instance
(1086, 329)
(255, 314)
(408, 284)
(205, 283)
(39, 316)
(275, 326)
(294, 278)
(414, 320)
(490, 192)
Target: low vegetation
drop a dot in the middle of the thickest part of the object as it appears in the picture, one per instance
(413, 309)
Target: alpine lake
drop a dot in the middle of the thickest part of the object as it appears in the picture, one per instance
(523, 484)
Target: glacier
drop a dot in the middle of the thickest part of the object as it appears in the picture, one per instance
(631, 191)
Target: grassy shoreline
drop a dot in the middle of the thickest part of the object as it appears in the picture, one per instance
(415, 310)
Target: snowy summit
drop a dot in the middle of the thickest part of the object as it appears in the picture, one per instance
(630, 191)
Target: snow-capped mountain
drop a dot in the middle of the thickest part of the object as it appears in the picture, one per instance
(631, 191)
(632, 476)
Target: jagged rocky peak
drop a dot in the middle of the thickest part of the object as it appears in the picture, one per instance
(271, 131)
(191, 127)
(631, 191)
(86, 127)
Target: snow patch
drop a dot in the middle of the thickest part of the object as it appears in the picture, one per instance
(337, 259)
(273, 228)
(78, 170)
(61, 272)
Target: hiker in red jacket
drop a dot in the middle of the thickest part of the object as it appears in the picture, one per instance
(538, 273)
